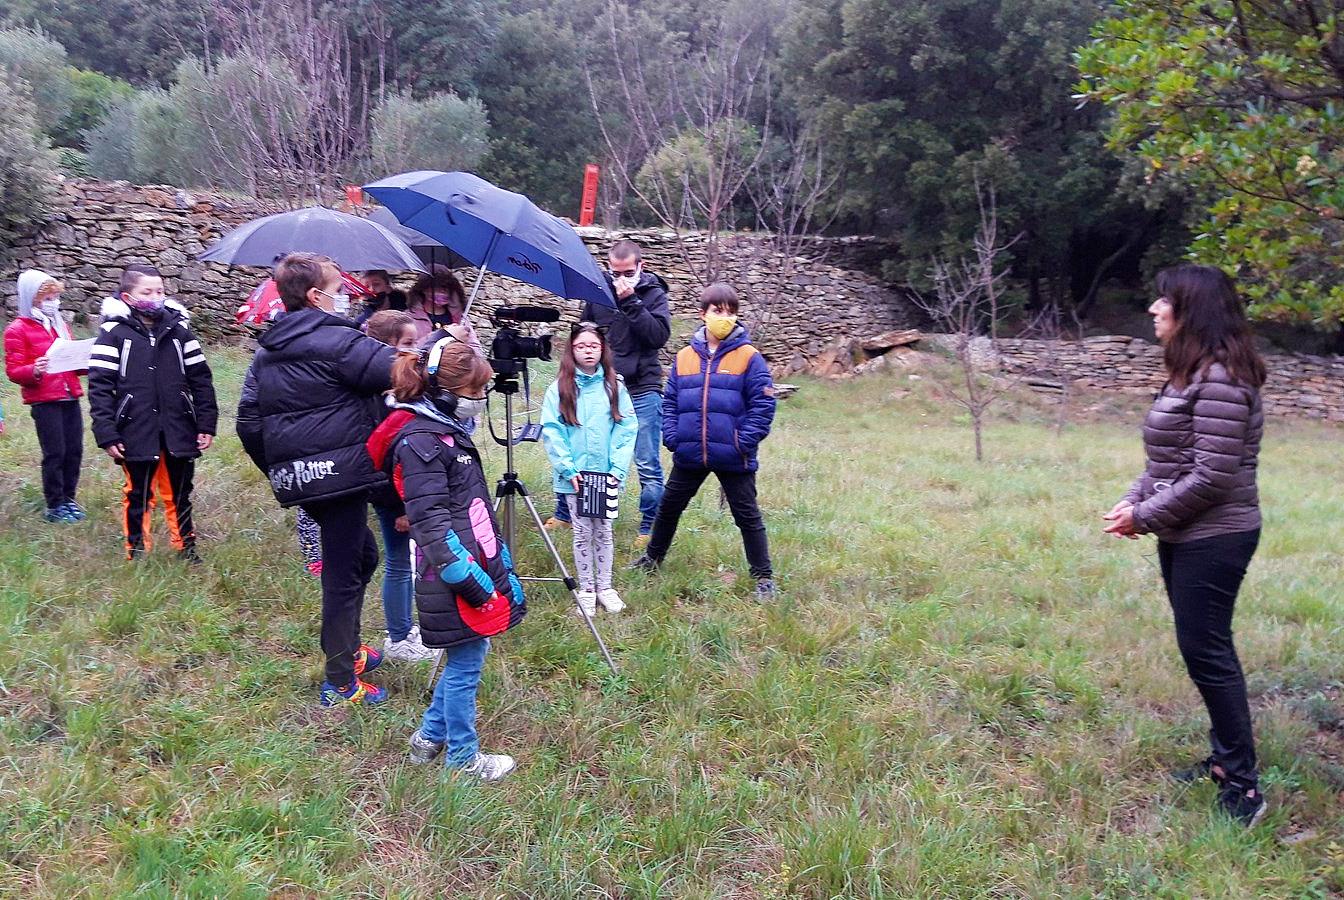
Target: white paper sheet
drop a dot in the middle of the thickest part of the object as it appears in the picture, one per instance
(69, 356)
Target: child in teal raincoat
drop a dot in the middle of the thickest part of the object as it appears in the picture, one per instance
(588, 424)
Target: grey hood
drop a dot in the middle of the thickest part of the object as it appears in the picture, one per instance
(29, 282)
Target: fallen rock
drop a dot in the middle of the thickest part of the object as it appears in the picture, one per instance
(889, 340)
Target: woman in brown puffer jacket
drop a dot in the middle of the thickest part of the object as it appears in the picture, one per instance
(1198, 496)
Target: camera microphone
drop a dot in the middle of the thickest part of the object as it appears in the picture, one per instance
(528, 314)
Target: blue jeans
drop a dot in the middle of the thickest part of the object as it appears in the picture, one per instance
(451, 717)
(648, 463)
(398, 584)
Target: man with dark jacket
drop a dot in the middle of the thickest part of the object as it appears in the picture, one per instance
(637, 330)
(152, 403)
(310, 400)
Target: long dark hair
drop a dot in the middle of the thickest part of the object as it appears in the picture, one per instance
(1210, 326)
(569, 387)
(440, 280)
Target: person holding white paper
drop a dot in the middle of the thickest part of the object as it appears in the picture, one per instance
(69, 356)
(52, 396)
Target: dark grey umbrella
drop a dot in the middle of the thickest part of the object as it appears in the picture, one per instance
(431, 252)
(354, 243)
(497, 230)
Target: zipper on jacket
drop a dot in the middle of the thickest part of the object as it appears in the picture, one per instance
(121, 407)
(704, 413)
(191, 405)
(125, 356)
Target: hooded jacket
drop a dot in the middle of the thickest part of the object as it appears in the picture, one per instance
(149, 385)
(1202, 445)
(311, 398)
(637, 331)
(596, 444)
(28, 338)
(465, 585)
(718, 408)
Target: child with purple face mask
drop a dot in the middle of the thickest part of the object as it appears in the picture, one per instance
(152, 402)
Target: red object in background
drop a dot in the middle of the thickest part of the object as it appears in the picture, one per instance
(264, 303)
(354, 195)
(588, 207)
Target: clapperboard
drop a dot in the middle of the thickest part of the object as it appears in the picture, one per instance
(598, 495)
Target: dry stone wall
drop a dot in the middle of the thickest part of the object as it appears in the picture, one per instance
(1300, 386)
(818, 323)
(100, 227)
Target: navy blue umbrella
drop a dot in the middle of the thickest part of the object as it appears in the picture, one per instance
(497, 230)
(354, 243)
(431, 252)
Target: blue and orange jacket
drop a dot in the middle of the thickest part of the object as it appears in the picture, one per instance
(716, 411)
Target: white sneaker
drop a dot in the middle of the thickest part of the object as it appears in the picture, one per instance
(610, 600)
(588, 601)
(489, 766)
(410, 649)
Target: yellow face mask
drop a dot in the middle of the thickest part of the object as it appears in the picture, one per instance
(720, 326)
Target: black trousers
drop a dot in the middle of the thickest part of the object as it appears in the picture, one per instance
(1202, 579)
(349, 559)
(60, 434)
(167, 480)
(739, 488)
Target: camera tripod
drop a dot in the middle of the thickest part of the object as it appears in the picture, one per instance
(510, 489)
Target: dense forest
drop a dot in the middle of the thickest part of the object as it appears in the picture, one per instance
(1116, 137)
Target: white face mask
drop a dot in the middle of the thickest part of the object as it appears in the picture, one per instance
(51, 308)
(468, 408)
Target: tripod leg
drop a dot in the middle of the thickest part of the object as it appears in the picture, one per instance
(570, 582)
(434, 671)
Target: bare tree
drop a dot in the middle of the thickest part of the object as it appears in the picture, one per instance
(287, 109)
(787, 193)
(965, 304)
(1054, 329)
(676, 130)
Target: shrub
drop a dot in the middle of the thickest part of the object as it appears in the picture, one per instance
(36, 64)
(28, 168)
(442, 131)
(93, 95)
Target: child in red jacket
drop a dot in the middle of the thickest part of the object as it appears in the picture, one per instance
(53, 397)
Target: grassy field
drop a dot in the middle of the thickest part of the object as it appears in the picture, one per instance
(964, 691)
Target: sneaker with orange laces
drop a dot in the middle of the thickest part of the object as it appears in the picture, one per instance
(367, 659)
(355, 692)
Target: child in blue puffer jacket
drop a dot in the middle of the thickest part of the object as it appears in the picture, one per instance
(588, 424)
(717, 409)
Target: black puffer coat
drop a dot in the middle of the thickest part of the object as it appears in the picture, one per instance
(465, 586)
(1202, 445)
(637, 331)
(149, 386)
(311, 398)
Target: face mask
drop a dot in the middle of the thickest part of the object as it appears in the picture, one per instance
(340, 302)
(51, 308)
(468, 408)
(147, 306)
(720, 326)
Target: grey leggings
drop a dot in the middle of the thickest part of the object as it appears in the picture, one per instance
(594, 548)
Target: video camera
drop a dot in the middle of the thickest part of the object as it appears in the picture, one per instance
(509, 353)
(510, 350)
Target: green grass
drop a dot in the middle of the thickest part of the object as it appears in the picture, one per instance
(965, 691)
